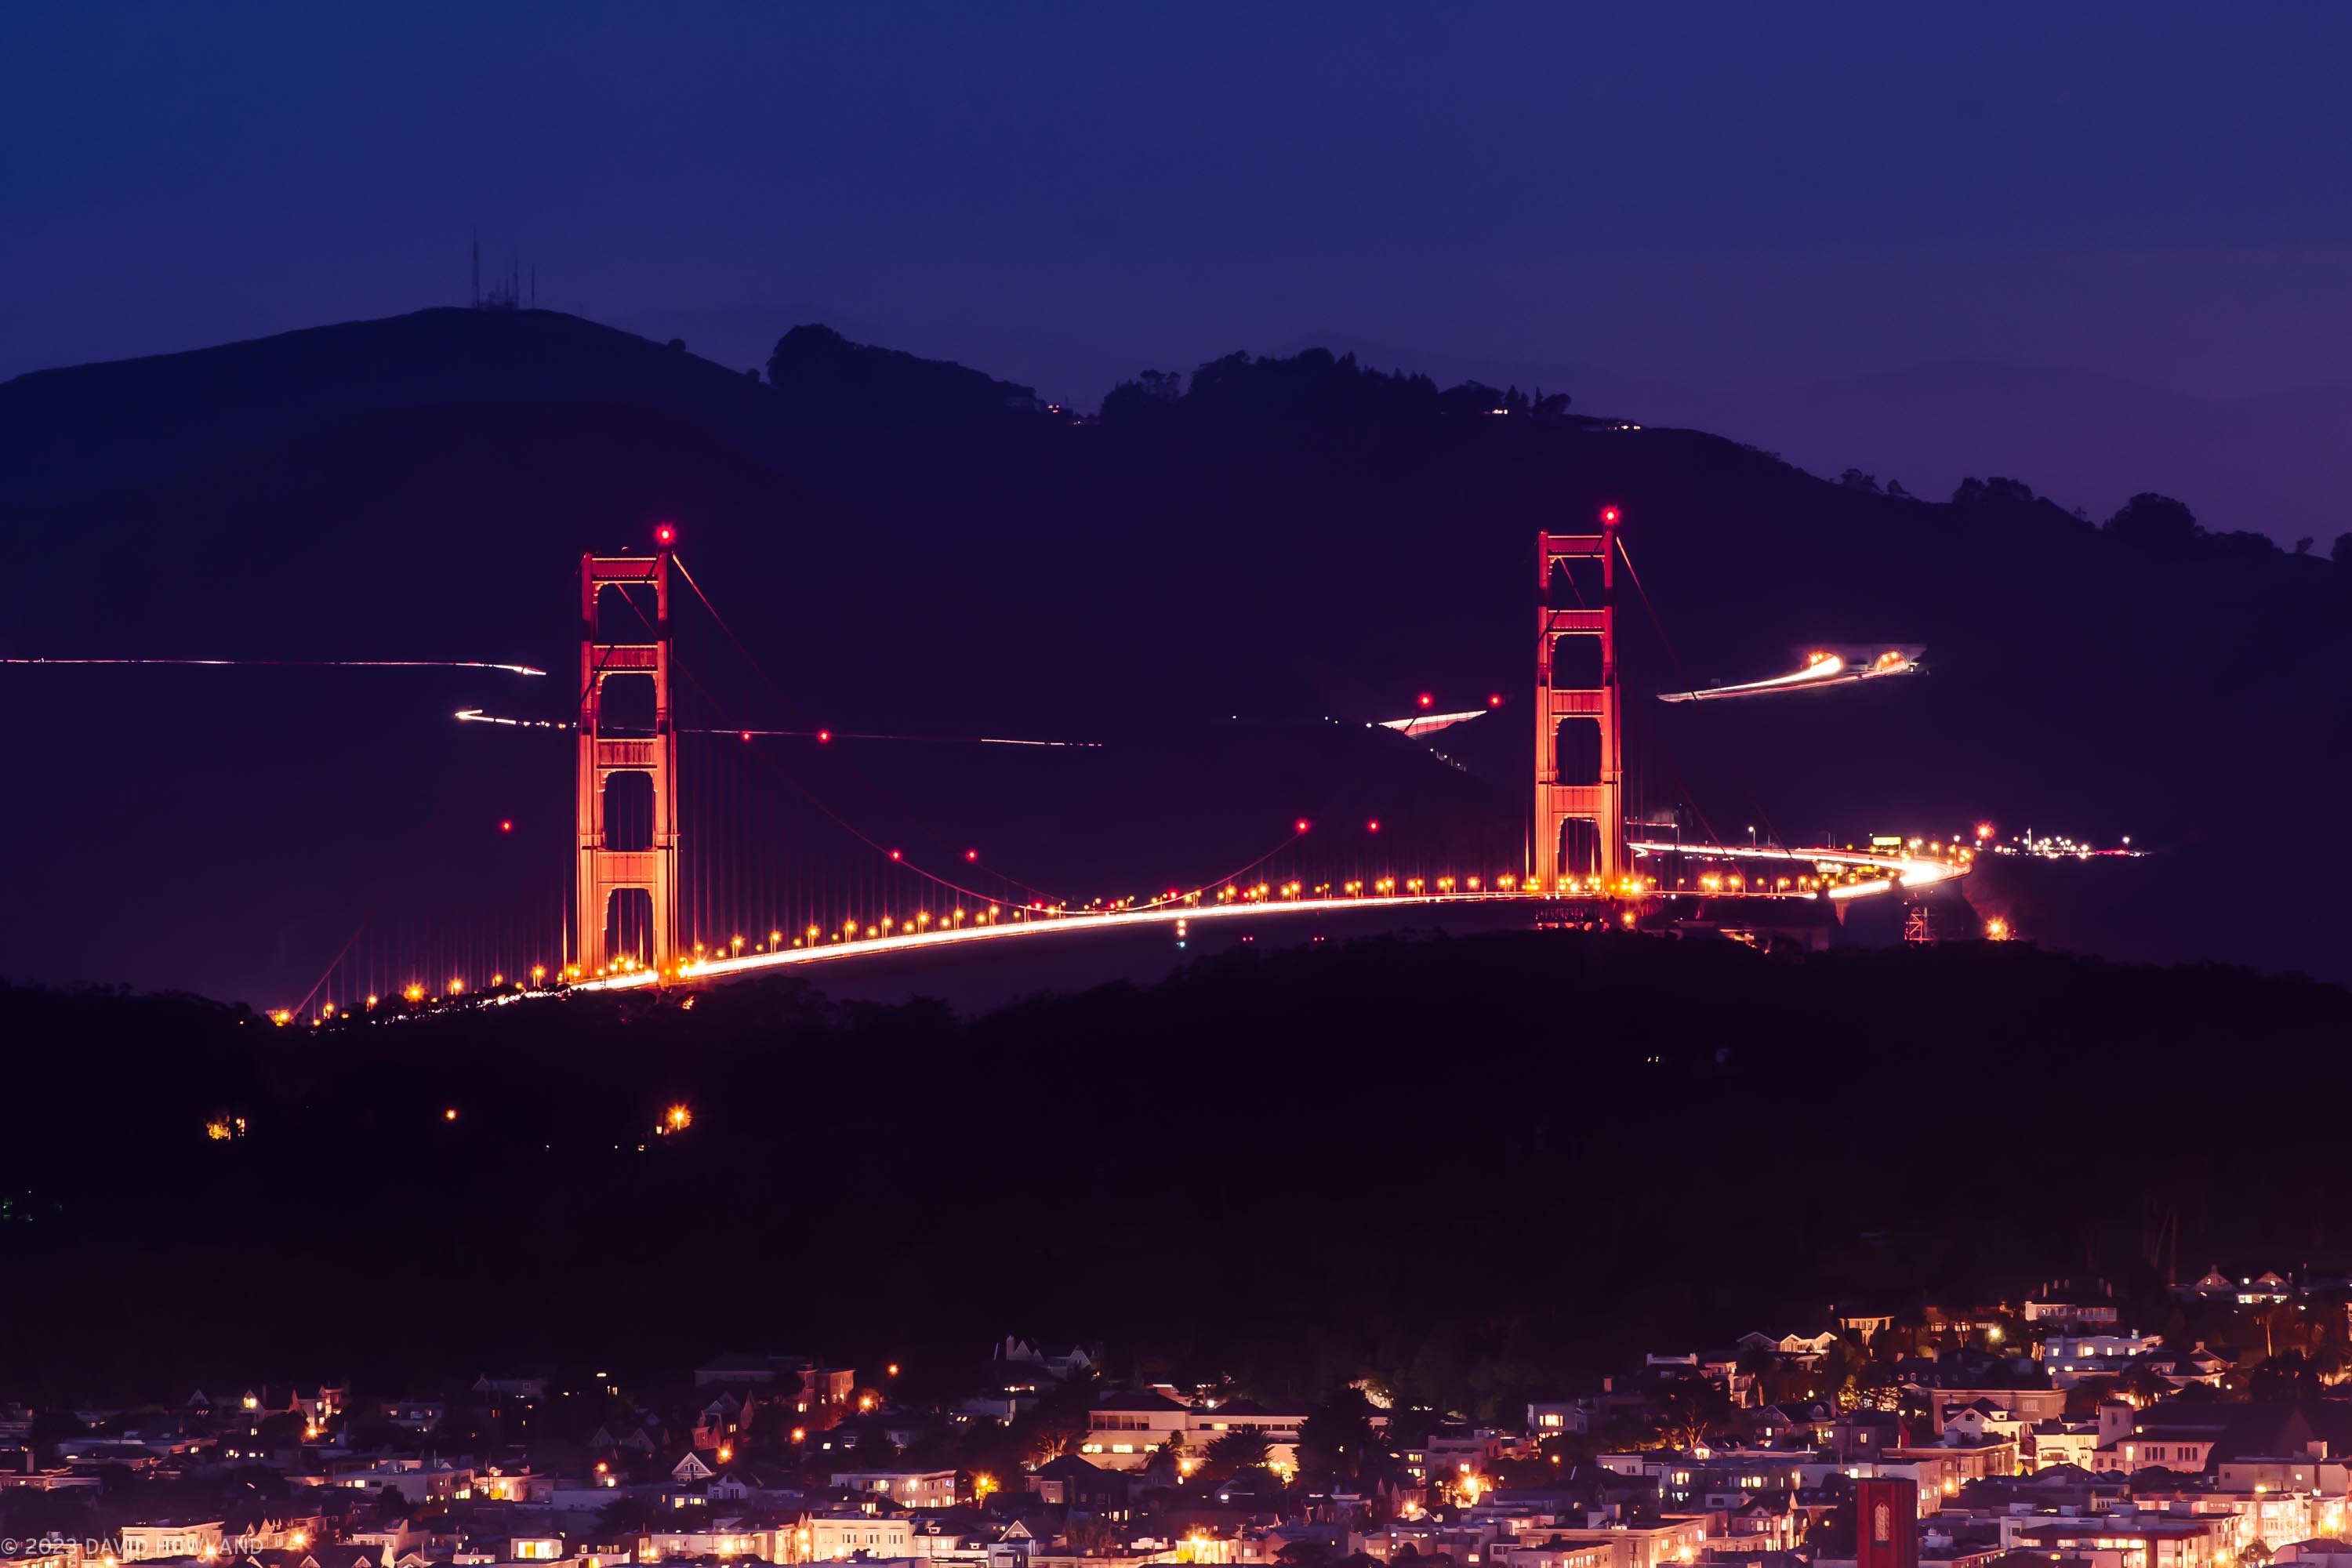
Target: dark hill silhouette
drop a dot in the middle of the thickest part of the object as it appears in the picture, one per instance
(818, 374)
(99, 424)
(1208, 578)
(2271, 461)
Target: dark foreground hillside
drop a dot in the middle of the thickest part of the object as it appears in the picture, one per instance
(1469, 1164)
(1208, 570)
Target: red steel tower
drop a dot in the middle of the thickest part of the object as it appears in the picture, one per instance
(1579, 819)
(606, 749)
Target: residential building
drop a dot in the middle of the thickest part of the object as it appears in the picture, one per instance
(907, 1489)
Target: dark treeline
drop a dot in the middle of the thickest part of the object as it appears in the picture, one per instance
(1474, 1167)
(1312, 387)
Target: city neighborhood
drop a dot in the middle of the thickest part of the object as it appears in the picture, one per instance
(2059, 1427)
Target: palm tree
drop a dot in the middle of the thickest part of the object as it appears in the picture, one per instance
(1236, 1451)
(1762, 1367)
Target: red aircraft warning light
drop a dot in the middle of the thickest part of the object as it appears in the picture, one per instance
(823, 737)
(1426, 699)
(1373, 826)
(896, 856)
(1493, 699)
(506, 825)
(666, 534)
(972, 854)
(1301, 824)
(1609, 516)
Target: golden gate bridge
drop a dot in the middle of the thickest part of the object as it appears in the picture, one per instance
(624, 924)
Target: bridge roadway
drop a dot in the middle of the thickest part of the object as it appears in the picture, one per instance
(1905, 871)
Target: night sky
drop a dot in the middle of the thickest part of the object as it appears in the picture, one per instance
(1672, 209)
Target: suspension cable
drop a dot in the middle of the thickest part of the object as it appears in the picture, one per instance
(1740, 774)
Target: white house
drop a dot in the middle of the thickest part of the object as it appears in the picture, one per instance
(827, 1537)
(907, 1489)
(170, 1538)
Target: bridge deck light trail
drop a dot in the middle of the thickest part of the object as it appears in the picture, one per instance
(855, 940)
(1903, 871)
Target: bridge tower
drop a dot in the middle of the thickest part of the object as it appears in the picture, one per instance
(1577, 712)
(607, 748)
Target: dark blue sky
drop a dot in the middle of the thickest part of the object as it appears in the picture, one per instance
(1730, 197)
